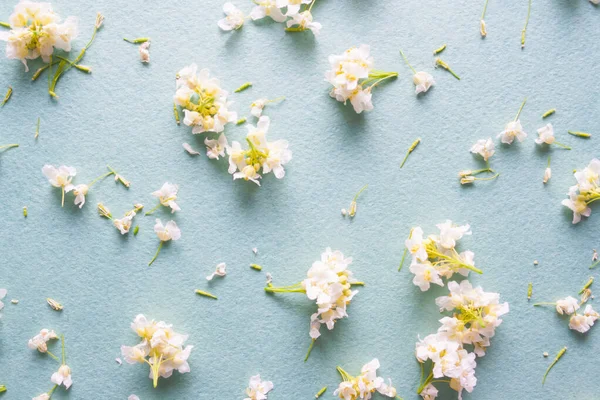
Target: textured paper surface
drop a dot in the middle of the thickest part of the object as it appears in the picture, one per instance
(122, 115)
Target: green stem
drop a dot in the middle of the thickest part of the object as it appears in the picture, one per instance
(425, 383)
(62, 340)
(456, 261)
(63, 197)
(558, 356)
(311, 5)
(345, 376)
(484, 9)
(403, 258)
(594, 264)
(137, 41)
(564, 146)
(5, 25)
(53, 356)
(544, 304)
(52, 391)
(521, 109)
(282, 290)
(156, 255)
(406, 61)
(312, 343)
(488, 179)
(360, 191)
(524, 31)
(99, 178)
(154, 209)
(9, 146)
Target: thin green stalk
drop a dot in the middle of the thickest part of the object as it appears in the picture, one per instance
(484, 9)
(558, 356)
(9, 146)
(5, 25)
(312, 343)
(62, 340)
(564, 146)
(156, 255)
(37, 129)
(594, 264)
(53, 356)
(154, 209)
(407, 63)
(99, 178)
(524, 31)
(521, 109)
(410, 150)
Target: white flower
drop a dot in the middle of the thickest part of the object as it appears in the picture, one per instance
(62, 376)
(425, 274)
(545, 135)
(258, 389)
(423, 81)
(485, 148)
(133, 397)
(167, 195)
(43, 396)
(256, 108)
(293, 6)
(135, 354)
(450, 233)
(346, 391)
(40, 340)
(124, 224)
(248, 173)
(204, 103)
(303, 21)
(578, 206)
(429, 392)
(144, 52)
(348, 68)
(80, 191)
(416, 245)
(170, 231)
(567, 306)
(190, 150)
(547, 174)
(219, 271)
(512, 130)
(59, 177)
(266, 8)
(36, 31)
(215, 148)
(234, 19)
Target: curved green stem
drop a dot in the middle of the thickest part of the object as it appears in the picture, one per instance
(157, 252)
(524, 31)
(564, 146)
(9, 146)
(153, 210)
(406, 61)
(52, 355)
(521, 109)
(312, 343)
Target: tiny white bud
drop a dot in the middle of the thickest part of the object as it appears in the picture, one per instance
(344, 212)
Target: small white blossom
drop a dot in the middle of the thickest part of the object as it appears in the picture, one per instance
(167, 232)
(167, 195)
(43, 396)
(362, 386)
(567, 306)
(425, 275)
(450, 233)
(133, 397)
(512, 130)
(215, 148)
(62, 376)
(80, 191)
(39, 341)
(545, 135)
(303, 21)
(258, 389)
(36, 31)
(485, 148)
(423, 81)
(547, 174)
(429, 392)
(124, 224)
(144, 52)
(219, 271)
(59, 177)
(234, 18)
(190, 149)
(267, 8)
(256, 108)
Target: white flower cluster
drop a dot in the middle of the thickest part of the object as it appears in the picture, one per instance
(364, 385)
(270, 156)
(580, 322)
(258, 389)
(585, 192)
(203, 101)
(436, 256)
(63, 375)
(475, 318)
(36, 31)
(296, 20)
(353, 77)
(161, 348)
(329, 285)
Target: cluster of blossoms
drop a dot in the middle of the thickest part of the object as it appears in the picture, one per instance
(202, 100)
(35, 31)
(329, 284)
(258, 389)
(580, 322)
(353, 77)
(585, 192)
(63, 375)
(486, 149)
(270, 156)
(62, 177)
(122, 224)
(436, 256)
(161, 348)
(473, 322)
(288, 11)
(205, 107)
(364, 385)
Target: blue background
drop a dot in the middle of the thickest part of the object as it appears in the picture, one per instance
(122, 115)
